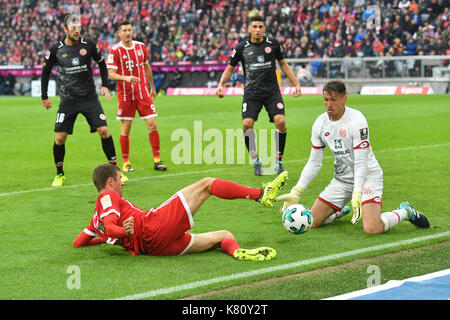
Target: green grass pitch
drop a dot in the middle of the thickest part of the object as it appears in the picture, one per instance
(409, 135)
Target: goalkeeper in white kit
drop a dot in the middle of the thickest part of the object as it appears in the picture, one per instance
(357, 175)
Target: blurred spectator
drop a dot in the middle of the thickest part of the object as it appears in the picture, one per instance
(411, 46)
(10, 83)
(2, 83)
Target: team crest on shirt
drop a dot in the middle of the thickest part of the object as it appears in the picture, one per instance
(106, 201)
(267, 49)
(364, 133)
(83, 52)
(343, 133)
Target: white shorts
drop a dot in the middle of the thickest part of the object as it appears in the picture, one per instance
(337, 194)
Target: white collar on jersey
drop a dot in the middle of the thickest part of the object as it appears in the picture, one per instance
(128, 48)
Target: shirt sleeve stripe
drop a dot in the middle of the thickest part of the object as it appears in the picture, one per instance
(108, 213)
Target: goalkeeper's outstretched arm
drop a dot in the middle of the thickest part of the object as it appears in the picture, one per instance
(308, 174)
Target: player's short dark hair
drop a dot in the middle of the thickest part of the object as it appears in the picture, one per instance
(123, 23)
(71, 17)
(101, 174)
(256, 18)
(335, 85)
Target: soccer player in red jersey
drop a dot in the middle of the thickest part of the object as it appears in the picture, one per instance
(163, 230)
(128, 65)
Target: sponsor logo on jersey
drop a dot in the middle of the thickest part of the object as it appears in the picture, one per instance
(47, 55)
(233, 53)
(364, 133)
(106, 201)
(362, 145)
(75, 61)
(260, 59)
(110, 58)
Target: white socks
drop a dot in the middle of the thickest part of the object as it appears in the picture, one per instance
(391, 219)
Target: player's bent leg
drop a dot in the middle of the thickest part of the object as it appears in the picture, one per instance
(197, 193)
(371, 216)
(208, 240)
(320, 212)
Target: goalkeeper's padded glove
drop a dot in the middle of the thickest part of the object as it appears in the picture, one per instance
(291, 198)
(357, 206)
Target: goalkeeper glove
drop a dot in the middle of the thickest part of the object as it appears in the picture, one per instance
(357, 206)
(291, 198)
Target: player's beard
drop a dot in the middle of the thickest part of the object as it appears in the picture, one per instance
(73, 39)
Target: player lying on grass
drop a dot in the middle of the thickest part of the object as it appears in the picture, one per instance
(357, 175)
(163, 230)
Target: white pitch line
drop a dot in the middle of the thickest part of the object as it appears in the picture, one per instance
(6, 194)
(203, 283)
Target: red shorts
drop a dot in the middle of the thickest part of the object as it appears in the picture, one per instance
(164, 232)
(127, 109)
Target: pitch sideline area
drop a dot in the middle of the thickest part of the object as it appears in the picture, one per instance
(203, 283)
(432, 286)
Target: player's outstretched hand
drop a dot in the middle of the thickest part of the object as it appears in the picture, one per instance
(290, 198)
(47, 103)
(129, 226)
(105, 92)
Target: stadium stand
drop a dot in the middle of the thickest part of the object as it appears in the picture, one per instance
(197, 31)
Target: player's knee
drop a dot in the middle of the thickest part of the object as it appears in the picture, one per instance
(373, 229)
(103, 132)
(280, 123)
(206, 183)
(247, 124)
(225, 234)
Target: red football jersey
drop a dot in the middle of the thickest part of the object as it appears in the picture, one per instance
(130, 62)
(110, 202)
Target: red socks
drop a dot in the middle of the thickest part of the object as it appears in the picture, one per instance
(229, 245)
(154, 142)
(125, 147)
(153, 137)
(230, 190)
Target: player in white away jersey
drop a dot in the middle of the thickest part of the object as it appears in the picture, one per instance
(357, 175)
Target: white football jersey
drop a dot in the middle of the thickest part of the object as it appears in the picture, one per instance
(342, 137)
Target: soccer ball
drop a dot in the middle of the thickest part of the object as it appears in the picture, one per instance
(297, 219)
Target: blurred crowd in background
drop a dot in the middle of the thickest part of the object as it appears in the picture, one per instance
(195, 30)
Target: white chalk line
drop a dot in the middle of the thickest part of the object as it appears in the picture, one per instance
(6, 194)
(203, 283)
